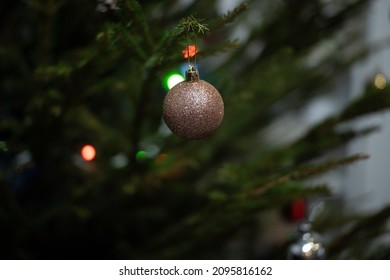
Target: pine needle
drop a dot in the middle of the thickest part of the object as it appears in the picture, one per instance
(191, 25)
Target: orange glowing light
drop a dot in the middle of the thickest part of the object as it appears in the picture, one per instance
(190, 51)
(88, 152)
(160, 158)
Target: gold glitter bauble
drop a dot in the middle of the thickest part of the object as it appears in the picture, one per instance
(193, 109)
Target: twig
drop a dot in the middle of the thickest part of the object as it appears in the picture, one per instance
(229, 16)
(305, 172)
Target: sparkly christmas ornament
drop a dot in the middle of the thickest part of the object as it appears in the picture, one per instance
(193, 109)
(307, 245)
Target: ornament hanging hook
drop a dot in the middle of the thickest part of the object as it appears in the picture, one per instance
(192, 27)
(188, 51)
(196, 44)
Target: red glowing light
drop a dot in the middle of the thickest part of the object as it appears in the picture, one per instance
(298, 208)
(88, 152)
(190, 51)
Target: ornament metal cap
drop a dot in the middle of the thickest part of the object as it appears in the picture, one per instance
(192, 75)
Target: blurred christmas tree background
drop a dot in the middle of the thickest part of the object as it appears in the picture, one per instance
(94, 72)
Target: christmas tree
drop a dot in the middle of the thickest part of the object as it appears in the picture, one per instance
(89, 169)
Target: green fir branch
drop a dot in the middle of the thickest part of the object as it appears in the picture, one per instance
(324, 136)
(305, 172)
(358, 231)
(130, 39)
(229, 16)
(223, 47)
(228, 213)
(135, 8)
(191, 26)
(373, 100)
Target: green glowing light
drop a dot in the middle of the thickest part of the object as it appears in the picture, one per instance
(140, 155)
(173, 80)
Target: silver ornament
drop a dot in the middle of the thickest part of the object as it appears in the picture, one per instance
(307, 245)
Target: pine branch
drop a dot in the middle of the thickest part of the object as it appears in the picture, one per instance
(324, 136)
(191, 26)
(134, 42)
(373, 100)
(223, 47)
(135, 8)
(230, 214)
(304, 172)
(359, 230)
(229, 16)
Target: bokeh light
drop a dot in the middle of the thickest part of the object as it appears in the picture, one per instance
(141, 155)
(119, 160)
(173, 79)
(190, 51)
(88, 152)
(380, 81)
(160, 158)
(307, 247)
